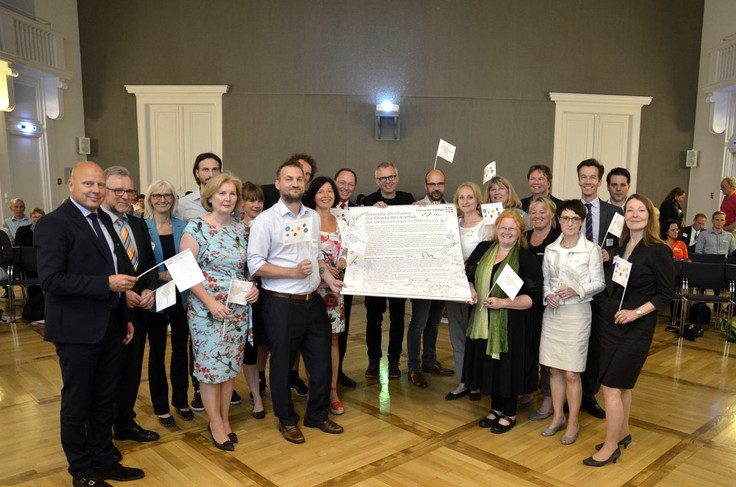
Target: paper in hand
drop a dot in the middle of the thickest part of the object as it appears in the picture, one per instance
(165, 296)
(490, 212)
(446, 151)
(340, 214)
(489, 172)
(184, 270)
(509, 281)
(621, 271)
(238, 291)
(298, 231)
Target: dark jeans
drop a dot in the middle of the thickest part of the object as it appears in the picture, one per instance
(375, 307)
(423, 328)
(157, 338)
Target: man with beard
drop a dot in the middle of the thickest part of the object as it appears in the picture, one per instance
(294, 313)
(426, 313)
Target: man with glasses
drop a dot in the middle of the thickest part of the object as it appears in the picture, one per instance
(426, 313)
(387, 179)
(133, 233)
(539, 177)
(598, 218)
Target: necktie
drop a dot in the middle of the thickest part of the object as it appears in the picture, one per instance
(127, 242)
(342, 205)
(101, 236)
(589, 222)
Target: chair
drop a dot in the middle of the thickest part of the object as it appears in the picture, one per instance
(699, 276)
(731, 279)
(708, 258)
(679, 298)
(731, 258)
(22, 273)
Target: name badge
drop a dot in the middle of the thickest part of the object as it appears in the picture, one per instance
(609, 242)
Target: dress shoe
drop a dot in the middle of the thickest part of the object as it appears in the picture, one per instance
(117, 472)
(451, 396)
(373, 369)
(416, 378)
(291, 433)
(489, 422)
(227, 445)
(499, 428)
(346, 381)
(135, 433)
(596, 463)
(436, 368)
(553, 431)
(622, 442)
(232, 437)
(393, 370)
(197, 402)
(116, 455)
(326, 426)
(475, 396)
(91, 480)
(167, 421)
(186, 414)
(298, 385)
(258, 414)
(235, 399)
(593, 408)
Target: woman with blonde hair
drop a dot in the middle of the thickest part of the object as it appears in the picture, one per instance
(500, 190)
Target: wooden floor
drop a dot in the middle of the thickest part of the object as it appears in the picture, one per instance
(683, 425)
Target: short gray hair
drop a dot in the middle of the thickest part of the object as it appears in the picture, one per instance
(148, 213)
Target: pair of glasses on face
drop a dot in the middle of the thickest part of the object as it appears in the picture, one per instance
(387, 179)
(159, 196)
(120, 192)
(571, 219)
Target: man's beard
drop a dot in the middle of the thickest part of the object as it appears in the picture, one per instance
(291, 199)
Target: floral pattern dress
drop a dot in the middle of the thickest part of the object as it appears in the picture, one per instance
(331, 247)
(218, 344)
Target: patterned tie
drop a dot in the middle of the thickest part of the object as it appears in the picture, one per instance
(127, 242)
(589, 222)
(101, 236)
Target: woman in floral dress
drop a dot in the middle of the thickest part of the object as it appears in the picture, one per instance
(321, 197)
(221, 332)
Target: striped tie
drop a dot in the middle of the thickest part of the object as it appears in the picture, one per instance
(589, 222)
(128, 243)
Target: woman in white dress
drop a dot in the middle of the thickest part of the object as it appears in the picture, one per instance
(573, 274)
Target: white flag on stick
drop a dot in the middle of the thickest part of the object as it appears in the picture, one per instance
(509, 281)
(446, 151)
(617, 225)
(489, 172)
(621, 273)
(490, 212)
(184, 270)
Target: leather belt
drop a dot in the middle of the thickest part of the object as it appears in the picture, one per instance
(296, 297)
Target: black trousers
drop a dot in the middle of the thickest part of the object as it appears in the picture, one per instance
(375, 307)
(590, 378)
(90, 374)
(178, 368)
(342, 337)
(293, 326)
(131, 366)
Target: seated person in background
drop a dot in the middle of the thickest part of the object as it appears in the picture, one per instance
(669, 232)
(24, 235)
(691, 232)
(19, 218)
(715, 240)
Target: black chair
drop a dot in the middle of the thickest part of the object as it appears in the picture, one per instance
(708, 258)
(698, 277)
(731, 259)
(22, 273)
(679, 297)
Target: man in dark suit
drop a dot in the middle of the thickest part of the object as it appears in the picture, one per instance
(691, 232)
(137, 244)
(539, 178)
(78, 254)
(598, 218)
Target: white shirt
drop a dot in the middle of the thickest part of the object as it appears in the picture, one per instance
(266, 246)
(190, 206)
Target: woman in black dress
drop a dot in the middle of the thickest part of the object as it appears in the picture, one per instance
(501, 355)
(629, 331)
(671, 207)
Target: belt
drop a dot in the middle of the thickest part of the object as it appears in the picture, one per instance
(296, 297)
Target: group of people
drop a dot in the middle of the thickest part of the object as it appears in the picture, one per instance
(563, 332)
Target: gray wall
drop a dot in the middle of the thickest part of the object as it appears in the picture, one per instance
(305, 76)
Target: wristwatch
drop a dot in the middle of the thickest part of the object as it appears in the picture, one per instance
(638, 312)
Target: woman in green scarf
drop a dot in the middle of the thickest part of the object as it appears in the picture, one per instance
(500, 356)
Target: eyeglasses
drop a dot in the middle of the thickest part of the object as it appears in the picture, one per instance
(570, 219)
(158, 196)
(387, 179)
(508, 229)
(119, 192)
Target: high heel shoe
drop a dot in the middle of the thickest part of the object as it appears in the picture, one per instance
(591, 462)
(233, 437)
(622, 442)
(227, 446)
(553, 431)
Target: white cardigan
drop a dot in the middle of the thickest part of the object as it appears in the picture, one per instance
(586, 263)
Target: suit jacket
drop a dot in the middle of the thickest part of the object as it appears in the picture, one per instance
(146, 258)
(607, 212)
(528, 201)
(24, 236)
(686, 232)
(74, 270)
(271, 195)
(158, 253)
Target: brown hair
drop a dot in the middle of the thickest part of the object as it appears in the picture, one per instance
(651, 232)
(516, 216)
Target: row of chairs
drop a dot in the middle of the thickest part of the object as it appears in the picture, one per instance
(695, 279)
(22, 272)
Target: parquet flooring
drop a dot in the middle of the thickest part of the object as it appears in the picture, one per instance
(683, 425)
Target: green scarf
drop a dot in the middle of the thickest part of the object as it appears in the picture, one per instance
(484, 323)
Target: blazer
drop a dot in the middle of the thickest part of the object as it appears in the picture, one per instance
(73, 269)
(686, 232)
(24, 236)
(158, 253)
(526, 202)
(607, 212)
(584, 259)
(146, 258)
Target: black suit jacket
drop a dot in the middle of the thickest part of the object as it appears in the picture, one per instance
(24, 236)
(74, 274)
(686, 232)
(607, 212)
(146, 259)
(528, 201)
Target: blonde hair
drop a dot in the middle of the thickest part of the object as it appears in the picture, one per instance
(215, 183)
(513, 202)
(514, 215)
(548, 205)
(476, 193)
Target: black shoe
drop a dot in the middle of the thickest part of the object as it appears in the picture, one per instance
(475, 396)
(625, 441)
(591, 405)
(227, 446)
(91, 480)
(186, 414)
(233, 437)
(373, 369)
(116, 455)
(167, 421)
(197, 402)
(595, 463)
(258, 414)
(499, 428)
(393, 370)
(298, 385)
(236, 399)
(135, 433)
(120, 473)
(346, 381)
(451, 396)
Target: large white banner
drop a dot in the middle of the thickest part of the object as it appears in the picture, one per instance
(412, 251)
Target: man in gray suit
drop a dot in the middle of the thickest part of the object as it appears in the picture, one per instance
(597, 220)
